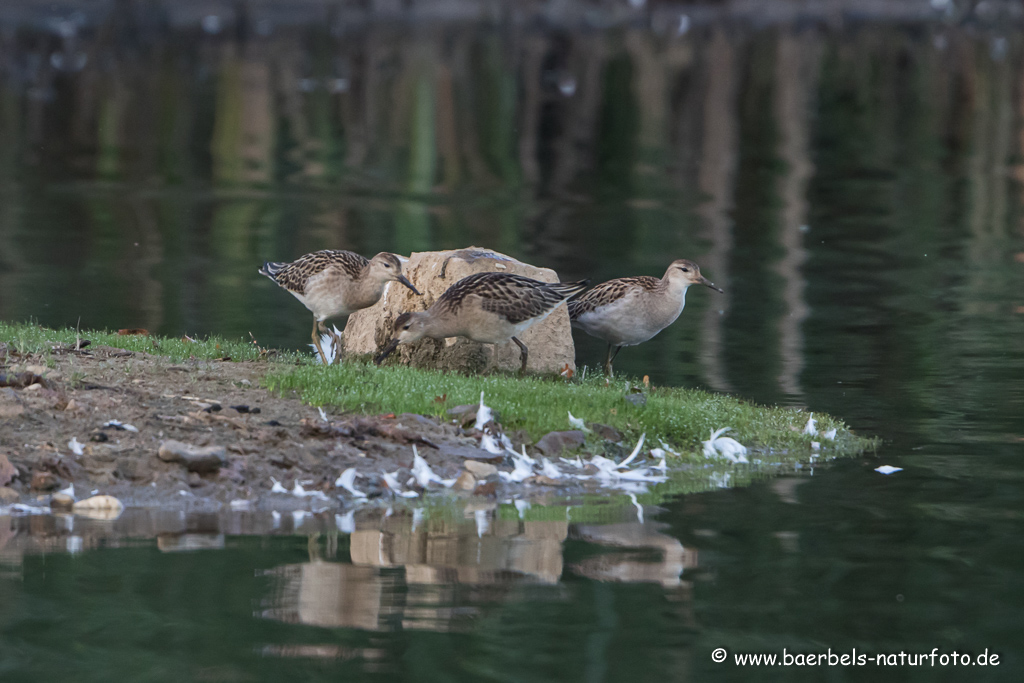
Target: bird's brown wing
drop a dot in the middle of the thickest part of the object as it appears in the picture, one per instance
(608, 292)
(514, 297)
(294, 276)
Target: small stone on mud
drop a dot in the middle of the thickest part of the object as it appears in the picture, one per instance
(606, 432)
(487, 489)
(61, 502)
(465, 482)
(553, 443)
(34, 387)
(194, 458)
(44, 481)
(8, 495)
(478, 469)
(134, 468)
(7, 470)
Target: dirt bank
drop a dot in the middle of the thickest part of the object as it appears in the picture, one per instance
(106, 420)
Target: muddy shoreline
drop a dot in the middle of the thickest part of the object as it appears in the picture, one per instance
(204, 435)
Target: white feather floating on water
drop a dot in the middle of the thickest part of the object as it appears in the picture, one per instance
(296, 491)
(578, 423)
(69, 491)
(483, 414)
(726, 446)
(888, 469)
(76, 447)
(636, 451)
(522, 506)
(347, 481)
(810, 428)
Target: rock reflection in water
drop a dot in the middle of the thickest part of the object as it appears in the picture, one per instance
(438, 574)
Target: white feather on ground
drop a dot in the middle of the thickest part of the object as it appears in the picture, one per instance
(810, 427)
(421, 471)
(327, 343)
(391, 479)
(578, 423)
(725, 446)
(636, 451)
(347, 481)
(483, 414)
(550, 469)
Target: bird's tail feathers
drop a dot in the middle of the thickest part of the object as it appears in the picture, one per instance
(570, 290)
(271, 269)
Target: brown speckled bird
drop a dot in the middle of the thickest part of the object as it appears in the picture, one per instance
(491, 308)
(333, 283)
(630, 310)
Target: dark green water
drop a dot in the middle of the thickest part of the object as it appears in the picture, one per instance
(857, 193)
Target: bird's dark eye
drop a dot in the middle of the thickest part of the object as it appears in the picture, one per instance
(685, 270)
(407, 327)
(387, 265)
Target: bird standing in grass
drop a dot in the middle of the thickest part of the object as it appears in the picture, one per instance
(336, 283)
(630, 310)
(491, 308)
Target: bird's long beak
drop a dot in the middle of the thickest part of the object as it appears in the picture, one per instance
(392, 345)
(405, 281)
(708, 283)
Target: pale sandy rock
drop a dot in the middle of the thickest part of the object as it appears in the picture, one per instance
(99, 507)
(61, 501)
(481, 470)
(194, 458)
(433, 272)
(465, 482)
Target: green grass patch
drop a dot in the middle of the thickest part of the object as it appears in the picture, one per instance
(29, 338)
(680, 417)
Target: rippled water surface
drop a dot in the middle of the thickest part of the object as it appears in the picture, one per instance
(855, 189)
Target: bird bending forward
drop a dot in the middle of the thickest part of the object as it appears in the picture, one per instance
(334, 283)
(491, 308)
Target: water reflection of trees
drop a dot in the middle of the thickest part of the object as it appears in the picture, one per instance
(808, 171)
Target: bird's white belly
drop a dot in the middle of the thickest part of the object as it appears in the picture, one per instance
(625, 322)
